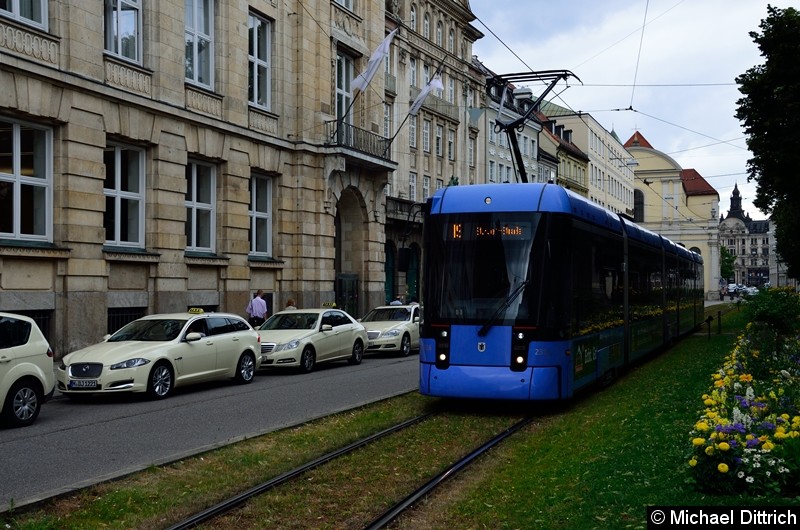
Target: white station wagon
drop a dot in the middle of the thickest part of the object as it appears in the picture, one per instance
(393, 328)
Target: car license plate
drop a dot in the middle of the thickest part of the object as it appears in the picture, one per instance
(83, 383)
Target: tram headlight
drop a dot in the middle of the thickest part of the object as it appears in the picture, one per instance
(519, 351)
(443, 349)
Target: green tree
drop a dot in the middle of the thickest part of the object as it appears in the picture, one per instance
(770, 114)
(726, 261)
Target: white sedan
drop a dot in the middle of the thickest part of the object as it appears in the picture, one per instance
(393, 328)
(157, 353)
(301, 338)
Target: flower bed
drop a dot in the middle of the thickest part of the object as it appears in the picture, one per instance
(747, 438)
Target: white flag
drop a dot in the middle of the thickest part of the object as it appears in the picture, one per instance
(434, 83)
(362, 80)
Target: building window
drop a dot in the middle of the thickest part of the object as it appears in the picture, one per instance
(451, 41)
(387, 120)
(200, 42)
(451, 144)
(439, 184)
(471, 152)
(451, 90)
(412, 186)
(200, 206)
(413, 21)
(344, 76)
(124, 193)
(345, 3)
(259, 78)
(439, 134)
(426, 136)
(123, 23)
(492, 177)
(426, 74)
(492, 133)
(412, 70)
(33, 12)
(426, 26)
(412, 131)
(260, 215)
(26, 168)
(439, 33)
(426, 187)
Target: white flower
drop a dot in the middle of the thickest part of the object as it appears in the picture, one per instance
(740, 474)
(769, 473)
(750, 479)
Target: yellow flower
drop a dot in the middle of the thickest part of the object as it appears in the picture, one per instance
(709, 402)
(710, 450)
(701, 426)
(719, 383)
(717, 376)
(722, 468)
(723, 446)
(693, 462)
(768, 446)
(698, 441)
(711, 414)
(745, 378)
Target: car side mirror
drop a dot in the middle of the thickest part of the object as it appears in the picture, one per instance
(193, 336)
(326, 327)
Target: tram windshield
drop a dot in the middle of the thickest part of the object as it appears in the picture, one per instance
(483, 269)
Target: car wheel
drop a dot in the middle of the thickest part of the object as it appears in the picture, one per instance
(358, 353)
(405, 346)
(159, 384)
(245, 368)
(23, 403)
(307, 360)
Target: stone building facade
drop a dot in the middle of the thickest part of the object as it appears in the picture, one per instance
(155, 159)
(751, 243)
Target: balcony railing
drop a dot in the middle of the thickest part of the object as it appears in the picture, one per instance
(346, 135)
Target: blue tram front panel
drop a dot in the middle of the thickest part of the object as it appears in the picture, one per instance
(481, 367)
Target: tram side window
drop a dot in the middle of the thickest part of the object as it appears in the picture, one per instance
(645, 282)
(597, 281)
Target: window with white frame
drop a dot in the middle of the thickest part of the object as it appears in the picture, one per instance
(439, 184)
(426, 136)
(32, 12)
(259, 75)
(123, 28)
(26, 181)
(471, 152)
(451, 41)
(200, 206)
(345, 3)
(439, 134)
(413, 18)
(451, 90)
(439, 33)
(412, 186)
(426, 187)
(260, 215)
(124, 189)
(426, 26)
(470, 98)
(492, 171)
(492, 133)
(199, 37)
(524, 144)
(426, 74)
(451, 144)
(387, 120)
(412, 131)
(344, 76)
(534, 151)
(412, 71)
(502, 140)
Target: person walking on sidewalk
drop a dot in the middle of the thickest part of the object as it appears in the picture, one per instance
(257, 309)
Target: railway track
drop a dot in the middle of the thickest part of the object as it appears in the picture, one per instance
(215, 516)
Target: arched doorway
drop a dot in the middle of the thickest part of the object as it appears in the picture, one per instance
(350, 254)
(413, 274)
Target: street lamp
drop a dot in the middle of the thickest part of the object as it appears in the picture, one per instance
(630, 162)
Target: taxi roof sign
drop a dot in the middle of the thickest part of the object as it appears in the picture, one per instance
(196, 310)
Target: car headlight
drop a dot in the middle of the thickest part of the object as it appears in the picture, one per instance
(390, 333)
(130, 363)
(292, 344)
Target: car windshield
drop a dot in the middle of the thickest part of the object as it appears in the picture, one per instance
(384, 314)
(291, 321)
(149, 330)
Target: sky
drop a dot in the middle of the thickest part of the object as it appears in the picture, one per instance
(666, 68)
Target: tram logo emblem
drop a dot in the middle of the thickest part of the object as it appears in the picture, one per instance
(481, 347)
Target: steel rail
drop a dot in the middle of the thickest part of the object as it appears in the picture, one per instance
(232, 502)
(435, 482)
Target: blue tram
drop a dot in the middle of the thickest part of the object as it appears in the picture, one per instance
(532, 292)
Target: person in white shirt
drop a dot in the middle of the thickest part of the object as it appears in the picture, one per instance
(257, 309)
